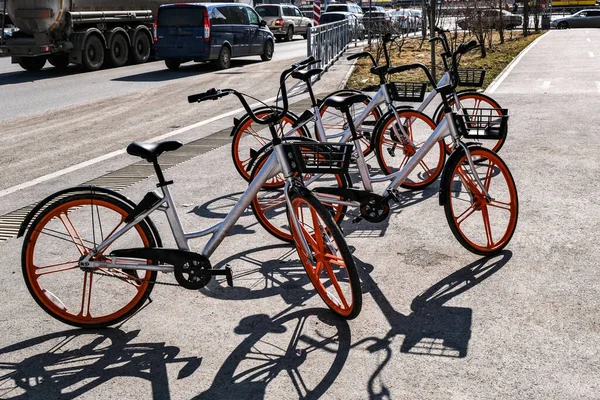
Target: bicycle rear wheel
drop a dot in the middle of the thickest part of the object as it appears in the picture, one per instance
(59, 237)
(334, 121)
(327, 260)
(483, 226)
(249, 137)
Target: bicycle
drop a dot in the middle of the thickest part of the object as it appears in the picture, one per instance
(470, 167)
(86, 243)
(371, 120)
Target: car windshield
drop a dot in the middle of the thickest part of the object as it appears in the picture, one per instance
(327, 18)
(268, 11)
(337, 7)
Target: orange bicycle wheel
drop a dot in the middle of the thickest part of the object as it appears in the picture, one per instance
(472, 100)
(483, 225)
(326, 259)
(59, 237)
(250, 137)
(393, 151)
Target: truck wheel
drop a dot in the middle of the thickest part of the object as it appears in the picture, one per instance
(33, 63)
(59, 61)
(140, 48)
(224, 60)
(172, 64)
(93, 53)
(118, 53)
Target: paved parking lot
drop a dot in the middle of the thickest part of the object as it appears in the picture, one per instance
(437, 322)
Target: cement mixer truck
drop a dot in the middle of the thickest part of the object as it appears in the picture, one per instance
(90, 33)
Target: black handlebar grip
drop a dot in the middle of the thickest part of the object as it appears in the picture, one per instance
(358, 55)
(466, 47)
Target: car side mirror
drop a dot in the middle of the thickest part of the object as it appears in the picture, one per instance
(262, 23)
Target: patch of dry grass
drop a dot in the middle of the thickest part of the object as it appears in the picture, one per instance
(415, 50)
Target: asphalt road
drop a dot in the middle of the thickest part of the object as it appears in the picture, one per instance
(437, 322)
(53, 120)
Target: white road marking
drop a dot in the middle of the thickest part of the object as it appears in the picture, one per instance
(546, 84)
(588, 39)
(591, 54)
(500, 78)
(96, 160)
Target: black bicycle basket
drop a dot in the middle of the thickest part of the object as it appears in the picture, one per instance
(407, 91)
(471, 77)
(323, 158)
(482, 123)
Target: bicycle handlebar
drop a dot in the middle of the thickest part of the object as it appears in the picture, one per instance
(214, 94)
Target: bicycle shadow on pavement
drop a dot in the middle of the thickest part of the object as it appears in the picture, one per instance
(71, 363)
(432, 328)
(366, 229)
(298, 354)
(258, 274)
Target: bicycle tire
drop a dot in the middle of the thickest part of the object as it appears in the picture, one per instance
(321, 242)
(244, 129)
(477, 234)
(471, 99)
(42, 246)
(269, 207)
(338, 125)
(419, 128)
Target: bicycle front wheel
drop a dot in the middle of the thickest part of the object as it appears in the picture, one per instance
(397, 141)
(59, 237)
(270, 208)
(473, 100)
(482, 225)
(249, 137)
(326, 259)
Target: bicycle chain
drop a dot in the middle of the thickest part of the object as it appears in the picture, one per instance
(137, 279)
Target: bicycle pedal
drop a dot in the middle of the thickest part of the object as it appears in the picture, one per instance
(225, 271)
(392, 151)
(356, 220)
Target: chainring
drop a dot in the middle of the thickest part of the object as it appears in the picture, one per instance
(192, 274)
(375, 209)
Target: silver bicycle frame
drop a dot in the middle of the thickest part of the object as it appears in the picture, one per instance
(276, 163)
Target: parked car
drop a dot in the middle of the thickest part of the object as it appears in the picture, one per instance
(378, 22)
(284, 20)
(418, 14)
(403, 20)
(347, 7)
(216, 32)
(581, 19)
(490, 19)
(356, 25)
(372, 8)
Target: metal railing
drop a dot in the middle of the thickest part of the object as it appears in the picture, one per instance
(328, 41)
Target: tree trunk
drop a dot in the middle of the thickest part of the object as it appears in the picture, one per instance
(525, 17)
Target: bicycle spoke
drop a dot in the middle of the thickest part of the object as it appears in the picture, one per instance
(471, 209)
(501, 205)
(85, 305)
(79, 249)
(486, 224)
(488, 176)
(336, 284)
(272, 203)
(72, 267)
